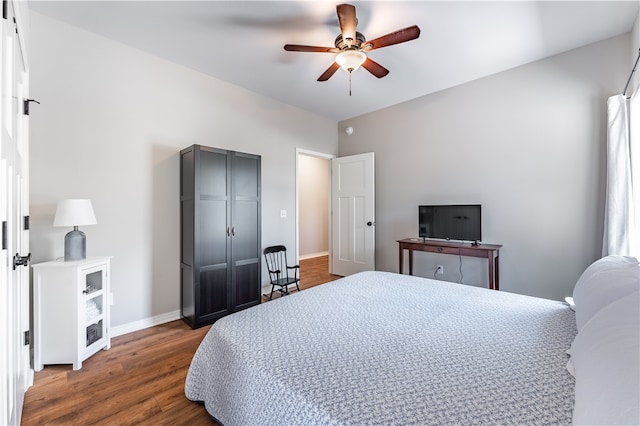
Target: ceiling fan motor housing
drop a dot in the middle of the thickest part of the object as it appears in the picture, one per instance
(341, 44)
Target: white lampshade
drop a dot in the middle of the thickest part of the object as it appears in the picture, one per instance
(350, 60)
(74, 212)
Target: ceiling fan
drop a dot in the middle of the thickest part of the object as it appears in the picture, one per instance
(351, 46)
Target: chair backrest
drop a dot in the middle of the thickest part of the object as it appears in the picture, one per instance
(276, 258)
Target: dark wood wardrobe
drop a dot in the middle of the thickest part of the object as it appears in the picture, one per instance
(220, 246)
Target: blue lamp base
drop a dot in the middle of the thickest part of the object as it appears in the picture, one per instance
(75, 245)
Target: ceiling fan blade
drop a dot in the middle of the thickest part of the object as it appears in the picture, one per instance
(375, 68)
(400, 36)
(302, 48)
(348, 21)
(329, 72)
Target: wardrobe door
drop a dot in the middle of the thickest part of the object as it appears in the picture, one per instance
(212, 234)
(246, 253)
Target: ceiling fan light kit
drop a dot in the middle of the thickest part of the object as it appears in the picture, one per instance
(351, 46)
(350, 60)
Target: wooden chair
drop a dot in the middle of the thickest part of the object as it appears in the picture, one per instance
(280, 273)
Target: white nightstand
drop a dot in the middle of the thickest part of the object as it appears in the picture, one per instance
(71, 310)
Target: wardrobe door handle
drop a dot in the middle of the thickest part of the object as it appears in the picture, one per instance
(228, 231)
(233, 231)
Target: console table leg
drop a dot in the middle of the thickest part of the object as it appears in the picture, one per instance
(410, 262)
(492, 274)
(497, 274)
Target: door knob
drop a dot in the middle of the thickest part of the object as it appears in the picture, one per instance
(370, 223)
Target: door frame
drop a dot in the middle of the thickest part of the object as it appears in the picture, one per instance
(324, 156)
(329, 158)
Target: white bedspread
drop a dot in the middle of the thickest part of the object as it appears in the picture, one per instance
(383, 348)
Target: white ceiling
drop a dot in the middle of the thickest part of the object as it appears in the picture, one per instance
(241, 42)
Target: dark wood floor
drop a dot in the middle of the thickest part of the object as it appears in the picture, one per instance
(140, 380)
(313, 272)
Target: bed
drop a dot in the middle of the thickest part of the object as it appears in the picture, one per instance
(384, 348)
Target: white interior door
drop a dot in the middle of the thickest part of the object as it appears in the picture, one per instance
(353, 214)
(15, 368)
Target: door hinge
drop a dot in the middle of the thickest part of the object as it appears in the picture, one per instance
(27, 337)
(21, 260)
(25, 105)
(27, 223)
(4, 235)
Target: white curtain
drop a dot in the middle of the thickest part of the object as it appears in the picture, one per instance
(620, 236)
(634, 147)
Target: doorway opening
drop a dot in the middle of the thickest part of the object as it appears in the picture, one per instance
(313, 228)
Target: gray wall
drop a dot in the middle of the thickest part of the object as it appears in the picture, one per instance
(110, 125)
(528, 144)
(313, 206)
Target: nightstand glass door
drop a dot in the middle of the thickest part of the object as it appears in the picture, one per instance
(94, 300)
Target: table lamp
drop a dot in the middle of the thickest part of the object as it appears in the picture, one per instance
(75, 212)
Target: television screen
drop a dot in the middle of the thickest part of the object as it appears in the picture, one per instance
(456, 222)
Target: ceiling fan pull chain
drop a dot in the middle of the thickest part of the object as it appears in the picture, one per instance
(349, 83)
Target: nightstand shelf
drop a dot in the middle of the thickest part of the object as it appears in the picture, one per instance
(71, 311)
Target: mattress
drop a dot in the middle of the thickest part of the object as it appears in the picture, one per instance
(384, 348)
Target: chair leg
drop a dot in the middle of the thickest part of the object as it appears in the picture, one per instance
(271, 294)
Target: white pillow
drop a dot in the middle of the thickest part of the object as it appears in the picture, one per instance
(604, 281)
(606, 358)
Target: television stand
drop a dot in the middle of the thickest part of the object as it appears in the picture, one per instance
(487, 251)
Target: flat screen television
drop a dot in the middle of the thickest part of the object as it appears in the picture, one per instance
(452, 222)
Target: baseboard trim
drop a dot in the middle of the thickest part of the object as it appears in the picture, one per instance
(312, 255)
(144, 323)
